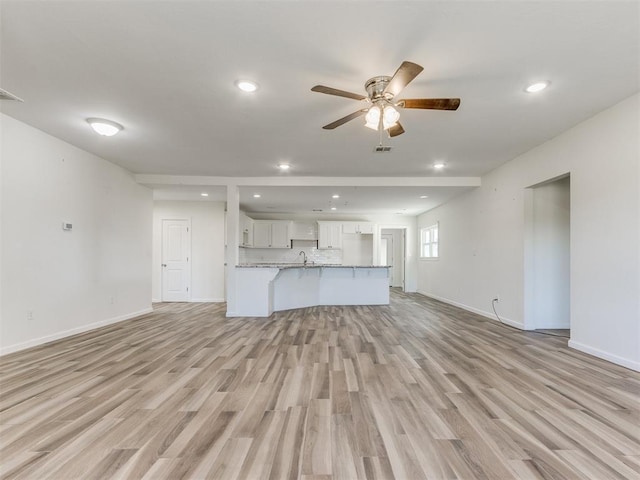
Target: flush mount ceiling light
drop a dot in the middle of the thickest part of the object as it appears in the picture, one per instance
(439, 165)
(246, 85)
(256, 195)
(203, 194)
(104, 127)
(284, 166)
(537, 87)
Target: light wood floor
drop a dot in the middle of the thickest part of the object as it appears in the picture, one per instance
(415, 390)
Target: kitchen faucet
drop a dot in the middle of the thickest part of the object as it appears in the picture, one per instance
(304, 255)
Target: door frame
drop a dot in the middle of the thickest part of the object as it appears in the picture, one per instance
(189, 270)
(529, 320)
(403, 244)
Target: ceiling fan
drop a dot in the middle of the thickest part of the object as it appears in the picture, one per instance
(382, 109)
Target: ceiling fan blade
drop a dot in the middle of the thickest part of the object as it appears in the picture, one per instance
(430, 103)
(335, 91)
(395, 130)
(403, 76)
(346, 119)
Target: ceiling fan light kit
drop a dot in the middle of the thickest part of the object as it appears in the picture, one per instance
(372, 119)
(382, 113)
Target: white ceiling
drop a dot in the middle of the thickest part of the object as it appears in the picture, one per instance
(166, 71)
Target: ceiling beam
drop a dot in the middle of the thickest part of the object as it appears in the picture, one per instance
(144, 179)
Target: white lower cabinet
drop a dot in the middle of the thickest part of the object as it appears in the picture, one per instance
(329, 235)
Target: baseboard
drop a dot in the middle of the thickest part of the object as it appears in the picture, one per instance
(623, 362)
(73, 331)
(554, 327)
(196, 300)
(490, 315)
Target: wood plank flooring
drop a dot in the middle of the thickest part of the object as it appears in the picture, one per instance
(414, 390)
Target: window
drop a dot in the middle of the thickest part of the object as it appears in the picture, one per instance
(429, 242)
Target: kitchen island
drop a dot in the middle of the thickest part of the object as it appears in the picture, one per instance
(264, 288)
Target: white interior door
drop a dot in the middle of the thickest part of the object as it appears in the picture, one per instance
(176, 268)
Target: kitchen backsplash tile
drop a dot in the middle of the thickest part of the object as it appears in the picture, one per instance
(291, 255)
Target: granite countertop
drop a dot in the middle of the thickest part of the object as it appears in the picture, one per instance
(283, 266)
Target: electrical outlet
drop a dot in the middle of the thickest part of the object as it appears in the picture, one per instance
(29, 315)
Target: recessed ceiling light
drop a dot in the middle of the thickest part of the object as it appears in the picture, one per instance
(438, 165)
(335, 196)
(247, 85)
(424, 196)
(537, 87)
(256, 195)
(203, 194)
(284, 166)
(333, 208)
(104, 127)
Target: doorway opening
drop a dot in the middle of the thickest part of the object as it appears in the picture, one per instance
(393, 253)
(547, 256)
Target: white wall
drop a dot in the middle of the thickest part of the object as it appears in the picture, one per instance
(357, 249)
(482, 234)
(207, 247)
(70, 281)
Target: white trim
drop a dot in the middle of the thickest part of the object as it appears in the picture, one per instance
(193, 300)
(73, 331)
(190, 257)
(490, 315)
(623, 362)
(429, 228)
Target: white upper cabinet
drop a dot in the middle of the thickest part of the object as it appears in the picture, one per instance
(271, 234)
(261, 234)
(357, 227)
(280, 236)
(246, 230)
(330, 235)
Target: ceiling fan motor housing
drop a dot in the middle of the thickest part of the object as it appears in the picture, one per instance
(375, 88)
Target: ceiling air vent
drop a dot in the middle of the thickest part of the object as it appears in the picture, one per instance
(382, 149)
(4, 95)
